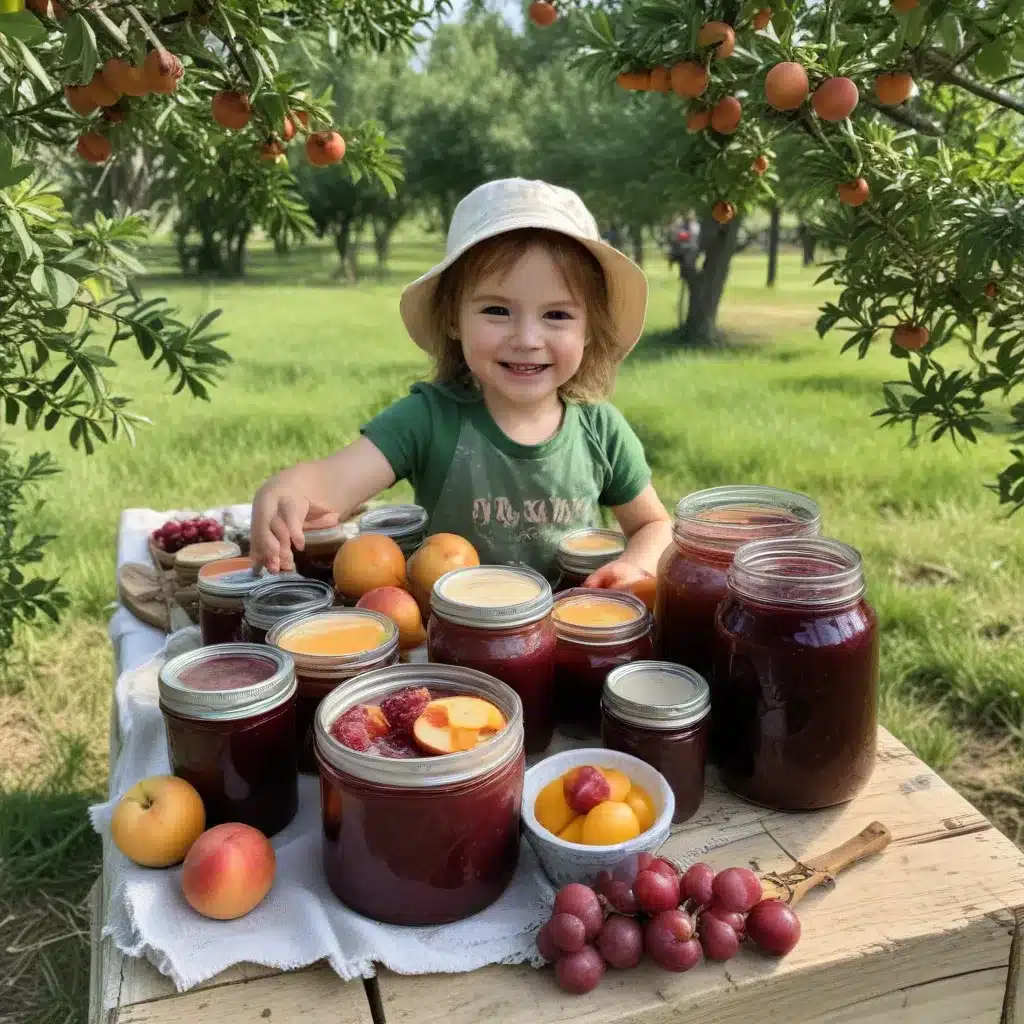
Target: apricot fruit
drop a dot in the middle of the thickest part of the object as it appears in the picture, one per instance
(618, 783)
(723, 212)
(228, 871)
(641, 804)
(450, 724)
(438, 554)
(726, 115)
(698, 120)
(762, 19)
(156, 822)
(79, 99)
(231, 110)
(786, 86)
(854, 193)
(688, 79)
(552, 810)
(324, 148)
(634, 81)
(718, 32)
(125, 78)
(162, 71)
(542, 13)
(760, 165)
(660, 79)
(905, 6)
(93, 147)
(894, 87)
(288, 129)
(367, 562)
(271, 150)
(912, 337)
(401, 608)
(585, 788)
(101, 92)
(991, 290)
(835, 99)
(573, 832)
(608, 823)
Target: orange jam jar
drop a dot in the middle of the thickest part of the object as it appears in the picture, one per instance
(279, 597)
(597, 630)
(583, 552)
(329, 648)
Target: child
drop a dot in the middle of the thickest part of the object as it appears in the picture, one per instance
(511, 446)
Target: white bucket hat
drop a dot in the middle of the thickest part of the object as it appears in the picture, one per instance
(509, 204)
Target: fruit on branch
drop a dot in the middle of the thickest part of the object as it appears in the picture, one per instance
(93, 147)
(231, 110)
(893, 87)
(726, 115)
(854, 193)
(786, 86)
(718, 32)
(912, 337)
(723, 211)
(163, 71)
(835, 99)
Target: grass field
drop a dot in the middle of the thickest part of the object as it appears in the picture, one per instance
(314, 360)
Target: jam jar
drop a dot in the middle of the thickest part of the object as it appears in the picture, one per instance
(406, 525)
(223, 587)
(660, 712)
(229, 711)
(422, 840)
(709, 526)
(328, 648)
(583, 552)
(316, 559)
(278, 597)
(497, 619)
(597, 630)
(796, 677)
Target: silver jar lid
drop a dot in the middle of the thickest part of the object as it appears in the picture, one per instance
(420, 772)
(327, 535)
(235, 583)
(613, 634)
(584, 551)
(180, 694)
(491, 596)
(394, 520)
(286, 594)
(656, 695)
(334, 664)
(195, 556)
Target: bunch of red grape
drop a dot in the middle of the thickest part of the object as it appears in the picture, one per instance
(178, 533)
(645, 905)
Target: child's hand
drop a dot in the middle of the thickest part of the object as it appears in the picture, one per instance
(278, 518)
(624, 575)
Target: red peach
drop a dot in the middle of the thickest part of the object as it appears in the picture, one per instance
(228, 871)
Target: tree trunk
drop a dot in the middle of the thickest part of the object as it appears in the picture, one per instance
(236, 251)
(773, 245)
(807, 243)
(344, 247)
(383, 228)
(636, 238)
(706, 285)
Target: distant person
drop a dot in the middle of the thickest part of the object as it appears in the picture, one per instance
(513, 443)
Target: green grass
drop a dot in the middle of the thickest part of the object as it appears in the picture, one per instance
(313, 360)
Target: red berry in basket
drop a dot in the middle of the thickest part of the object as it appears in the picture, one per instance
(621, 942)
(656, 892)
(403, 708)
(736, 889)
(159, 541)
(545, 946)
(580, 972)
(567, 933)
(773, 927)
(669, 941)
(697, 882)
(720, 942)
(582, 902)
(172, 528)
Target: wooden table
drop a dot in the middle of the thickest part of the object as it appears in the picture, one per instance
(929, 932)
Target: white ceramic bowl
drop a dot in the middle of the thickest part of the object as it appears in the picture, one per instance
(565, 862)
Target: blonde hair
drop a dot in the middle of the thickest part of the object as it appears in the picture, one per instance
(595, 378)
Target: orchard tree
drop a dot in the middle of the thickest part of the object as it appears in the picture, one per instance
(199, 92)
(907, 119)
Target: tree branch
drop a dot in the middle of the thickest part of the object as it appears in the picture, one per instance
(946, 74)
(907, 117)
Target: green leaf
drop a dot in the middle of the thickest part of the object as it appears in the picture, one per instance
(58, 287)
(6, 154)
(24, 27)
(15, 174)
(25, 241)
(33, 65)
(993, 59)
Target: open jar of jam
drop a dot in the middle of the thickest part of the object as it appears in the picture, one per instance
(329, 648)
(660, 713)
(279, 597)
(583, 552)
(420, 840)
(229, 711)
(497, 619)
(223, 587)
(709, 528)
(597, 630)
(796, 678)
(406, 525)
(316, 559)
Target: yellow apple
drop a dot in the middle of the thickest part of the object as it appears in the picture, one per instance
(156, 822)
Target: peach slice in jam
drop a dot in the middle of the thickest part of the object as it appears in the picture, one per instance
(450, 724)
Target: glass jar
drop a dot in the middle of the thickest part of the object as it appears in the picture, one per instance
(424, 840)
(406, 525)
(279, 597)
(660, 713)
(191, 558)
(223, 587)
(329, 648)
(316, 559)
(583, 552)
(796, 681)
(497, 619)
(229, 711)
(597, 630)
(709, 527)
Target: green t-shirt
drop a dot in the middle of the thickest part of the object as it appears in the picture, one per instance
(513, 502)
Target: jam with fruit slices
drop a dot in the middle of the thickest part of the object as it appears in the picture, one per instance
(229, 711)
(279, 597)
(597, 630)
(796, 677)
(709, 527)
(497, 620)
(223, 587)
(658, 712)
(419, 840)
(316, 559)
(583, 552)
(329, 648)
(406, 525)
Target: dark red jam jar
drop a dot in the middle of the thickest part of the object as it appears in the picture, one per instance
(583, 552)
(279, 597)
(497, 619)
(229, 711)
(597, 630)
(316, 559)
(709, 528)
(223, 587)
(422, 840)
(796, 679)
(330, 648)
(406, 525)
(660, 713)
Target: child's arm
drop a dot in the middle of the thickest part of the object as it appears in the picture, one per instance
(312, 490)
(648, 531)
